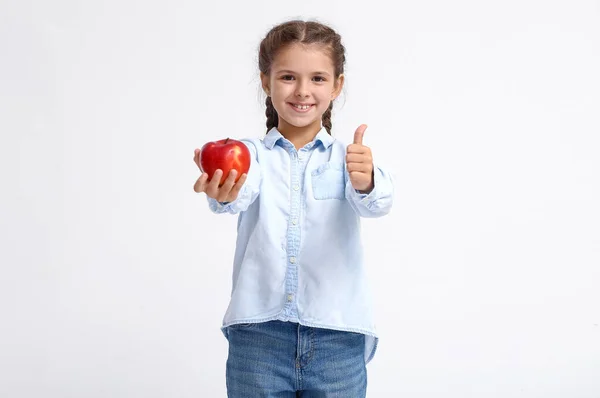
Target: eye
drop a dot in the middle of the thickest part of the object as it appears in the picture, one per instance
(319, 79)
(287, 77)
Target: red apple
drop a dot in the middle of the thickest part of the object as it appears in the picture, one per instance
(227, 155)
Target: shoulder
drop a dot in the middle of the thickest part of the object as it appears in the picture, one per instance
(338, 145)
(252, 141)
(254, 144)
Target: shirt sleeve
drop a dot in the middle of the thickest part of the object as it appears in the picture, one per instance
(249, 191)
(376, 203)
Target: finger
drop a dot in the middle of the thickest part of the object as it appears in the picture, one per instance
(357, 175)
(357, 148)
(359, 167)
(227, 185)
(200, 184)
(359, 178)
(197, 158)
(212, 188)
(359, 134)
(236, 188)
(354, 157)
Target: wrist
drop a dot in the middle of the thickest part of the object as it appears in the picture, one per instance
(371, 185)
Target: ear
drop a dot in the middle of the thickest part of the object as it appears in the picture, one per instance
(337, 87)
(264, 79)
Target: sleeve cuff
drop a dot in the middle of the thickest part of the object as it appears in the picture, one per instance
(228, 207)
(367, 198)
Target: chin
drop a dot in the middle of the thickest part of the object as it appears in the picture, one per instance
(300, 123)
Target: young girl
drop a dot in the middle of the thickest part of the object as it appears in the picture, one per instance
(299, 322)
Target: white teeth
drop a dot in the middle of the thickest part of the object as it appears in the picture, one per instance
(301, 106)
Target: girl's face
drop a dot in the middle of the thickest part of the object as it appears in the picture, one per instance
(301, 84)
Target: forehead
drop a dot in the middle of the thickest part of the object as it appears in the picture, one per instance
(303, 58)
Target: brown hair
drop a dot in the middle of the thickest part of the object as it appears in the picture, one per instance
(306, 33)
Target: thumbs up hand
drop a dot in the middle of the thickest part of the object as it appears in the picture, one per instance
(359, 162)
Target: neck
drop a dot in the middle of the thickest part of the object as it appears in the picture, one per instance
(299, 136)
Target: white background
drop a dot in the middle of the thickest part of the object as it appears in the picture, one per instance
(115, 275)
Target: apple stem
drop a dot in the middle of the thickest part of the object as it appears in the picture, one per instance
(227, 140)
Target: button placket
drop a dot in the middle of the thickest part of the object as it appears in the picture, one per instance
(293, 233)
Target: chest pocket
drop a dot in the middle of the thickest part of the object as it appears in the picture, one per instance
(328, 181)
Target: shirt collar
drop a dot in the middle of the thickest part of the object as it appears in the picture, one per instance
(274, 135)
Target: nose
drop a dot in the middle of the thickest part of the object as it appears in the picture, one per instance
(302, 89)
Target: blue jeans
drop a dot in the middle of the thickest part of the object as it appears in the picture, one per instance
(285, 359)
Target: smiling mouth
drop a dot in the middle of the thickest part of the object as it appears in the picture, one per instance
(301, 107)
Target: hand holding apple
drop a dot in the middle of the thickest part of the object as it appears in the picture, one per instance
(224, 165)
(226, 155)
(359, 162)
(227, 192)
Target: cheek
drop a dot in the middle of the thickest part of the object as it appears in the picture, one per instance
(325, 93)
(324, 96)
(279, 99)
(282, 89)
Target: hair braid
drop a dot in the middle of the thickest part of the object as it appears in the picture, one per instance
(326, 119)
(272, 116)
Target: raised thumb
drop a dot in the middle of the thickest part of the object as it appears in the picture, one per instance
(359, 134)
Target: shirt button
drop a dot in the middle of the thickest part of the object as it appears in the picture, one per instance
(292, 260)
(296, 187)
(290, 297)
(294, 221)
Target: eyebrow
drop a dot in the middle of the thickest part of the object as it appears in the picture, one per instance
(292, 72)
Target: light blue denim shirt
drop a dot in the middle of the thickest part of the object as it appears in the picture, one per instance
(299, 255)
